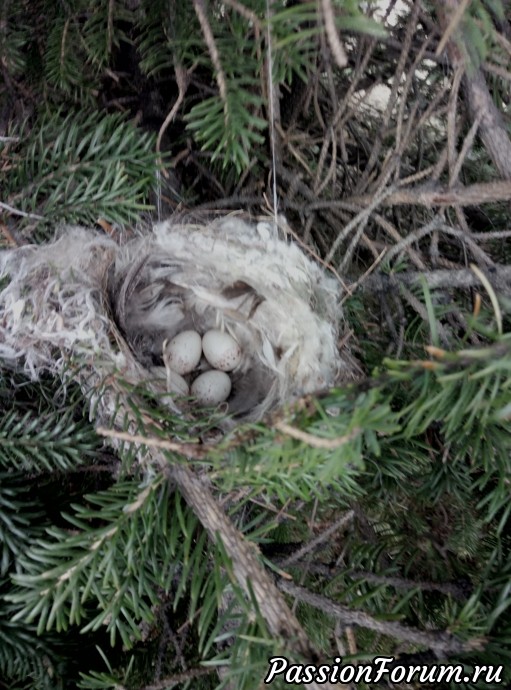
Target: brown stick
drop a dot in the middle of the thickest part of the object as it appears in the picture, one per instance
(493, 131)
(331, 31)
(499, 277)
(442, 642)
(200, 9)
(426, 195)
(247, 567)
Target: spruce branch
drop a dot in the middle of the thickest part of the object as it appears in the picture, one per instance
(200, 9)
(24, 656)
(499, 276)
(58, 575)
(188, 450)
(44, 443)
(80, 167)
(428, 195)
(449, 588)
(442, 642)
(17, 212)
(18, 519)
(321, 538)
(247, 568)
(178, 678)
(481, 106)
(331, 32)
(315, 441)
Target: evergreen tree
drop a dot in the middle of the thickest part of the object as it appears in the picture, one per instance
(379, 510)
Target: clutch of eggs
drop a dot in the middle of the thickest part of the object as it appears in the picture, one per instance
(182, 354)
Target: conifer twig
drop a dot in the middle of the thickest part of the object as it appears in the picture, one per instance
(182, 84)
(247, 568)
(493, 130)
(316, 441)
(440, 641)
(200, 9)
(246, 564)
(500, 276)
(17, 212)
(322, 537)
(178, 678)
(434, 195)
(331, 570)
(190, 450)
(331, 31)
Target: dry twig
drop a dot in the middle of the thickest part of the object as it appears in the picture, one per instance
(442, 642)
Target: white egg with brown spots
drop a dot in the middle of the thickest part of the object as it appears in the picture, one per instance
(212, 387)
(183, 352)
(221, 350)
(176, 383)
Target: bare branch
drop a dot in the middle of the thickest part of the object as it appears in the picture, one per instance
(17, 212)
(331, 31)
(442, 642)
(435, 195)
(498, 276)
(200, 9)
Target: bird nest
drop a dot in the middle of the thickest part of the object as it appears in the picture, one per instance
(87, 304)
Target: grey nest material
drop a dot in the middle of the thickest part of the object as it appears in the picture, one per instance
(87, 304)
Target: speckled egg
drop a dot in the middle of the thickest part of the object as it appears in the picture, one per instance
(211, 387)
(221, 350)
(176, 383)
(183, 352)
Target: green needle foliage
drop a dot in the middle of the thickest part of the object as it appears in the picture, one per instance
(38, 445)
(58, 171)
(24, 656)
(429, 546)
(81, 167)
(232, 125)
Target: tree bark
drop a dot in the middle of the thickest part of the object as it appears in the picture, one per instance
(492, 128)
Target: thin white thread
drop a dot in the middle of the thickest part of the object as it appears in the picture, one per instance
(158, 195)
(271, 112)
